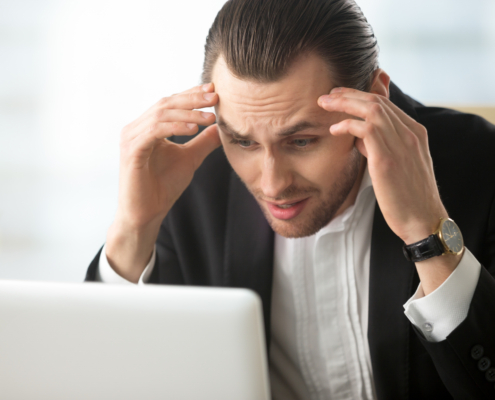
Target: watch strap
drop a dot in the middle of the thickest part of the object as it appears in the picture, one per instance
(424, 249)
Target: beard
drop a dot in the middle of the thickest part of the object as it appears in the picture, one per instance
(321, 213)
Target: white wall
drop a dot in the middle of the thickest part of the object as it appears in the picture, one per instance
(73, 73)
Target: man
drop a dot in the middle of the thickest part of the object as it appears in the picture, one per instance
(325, 175)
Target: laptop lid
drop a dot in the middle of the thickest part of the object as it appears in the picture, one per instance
(98, 341)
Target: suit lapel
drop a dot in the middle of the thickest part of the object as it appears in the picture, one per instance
(391, 285)
(249, 245)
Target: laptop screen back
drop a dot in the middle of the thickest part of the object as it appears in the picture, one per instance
(96, 341)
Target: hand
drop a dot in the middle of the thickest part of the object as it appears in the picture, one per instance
(399, 161)
(154, 172)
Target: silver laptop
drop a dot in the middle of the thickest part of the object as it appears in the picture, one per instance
(98, 341)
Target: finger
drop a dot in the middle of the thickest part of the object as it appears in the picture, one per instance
(165, 115)
(373, 112)
(407, 129)
(155, 117)
(365, 131)
(400, 115)
(359, 107)
(203, 144)
(207, 87)
(159, 112)
(196, 117)
(160, 131)
(408, 121)
(188, 101)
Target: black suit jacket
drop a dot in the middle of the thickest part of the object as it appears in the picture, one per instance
(216, 235)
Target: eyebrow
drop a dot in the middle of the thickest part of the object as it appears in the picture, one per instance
(300, 126)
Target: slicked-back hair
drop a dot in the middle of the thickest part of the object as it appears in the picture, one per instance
(260, 39)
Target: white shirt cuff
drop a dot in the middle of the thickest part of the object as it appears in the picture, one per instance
(439, 313)
(106, 274)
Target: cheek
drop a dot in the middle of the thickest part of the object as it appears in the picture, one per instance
(322, 167)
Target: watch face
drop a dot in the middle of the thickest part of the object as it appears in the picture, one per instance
(452, 236)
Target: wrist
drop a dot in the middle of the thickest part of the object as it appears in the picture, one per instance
(128, 250)
(421, 229)
(435, 271)
(126, 229)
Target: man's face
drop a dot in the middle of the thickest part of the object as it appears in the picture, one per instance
(277, 140)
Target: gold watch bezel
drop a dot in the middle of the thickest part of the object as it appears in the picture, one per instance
(439, 234)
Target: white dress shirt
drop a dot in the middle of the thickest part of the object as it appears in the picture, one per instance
(319, 319)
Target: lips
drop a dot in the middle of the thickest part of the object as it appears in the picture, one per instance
(287, 211)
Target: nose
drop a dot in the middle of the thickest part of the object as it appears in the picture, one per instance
(275, 176)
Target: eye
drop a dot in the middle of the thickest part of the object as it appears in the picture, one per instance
(242, 143)
(245, 143)
(301, 142)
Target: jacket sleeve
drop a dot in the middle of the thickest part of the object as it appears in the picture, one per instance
(465, 360)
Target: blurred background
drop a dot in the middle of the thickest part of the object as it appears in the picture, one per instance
(73, 73)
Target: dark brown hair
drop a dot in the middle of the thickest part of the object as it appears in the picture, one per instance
(260, 39)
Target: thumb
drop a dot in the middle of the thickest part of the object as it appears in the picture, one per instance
(203, 144)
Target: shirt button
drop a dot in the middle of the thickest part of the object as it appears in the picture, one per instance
(477, 352)
(428, 327)
(490, 375)
(484, 364)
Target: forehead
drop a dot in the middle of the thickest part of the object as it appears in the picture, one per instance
(246, 104)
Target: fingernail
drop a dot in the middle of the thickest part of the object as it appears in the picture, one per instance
(205, 87)
(209, 96)
(206, 115)
(336, 90)
(325, 99)
(191, 126)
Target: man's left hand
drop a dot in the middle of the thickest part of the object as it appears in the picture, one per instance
(399, 161)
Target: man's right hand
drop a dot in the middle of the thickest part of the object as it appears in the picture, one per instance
(154, 172)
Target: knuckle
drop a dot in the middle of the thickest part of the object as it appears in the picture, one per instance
(152, 129)
(343, 125)
(158, 114)
(422, 131)
(191, 97)
(369, 129)
(165, 102)
(198, 98)
(175, 127)
(376, 109)
(412, 141)
(371, 98)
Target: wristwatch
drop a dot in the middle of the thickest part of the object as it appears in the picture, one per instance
(447, 239)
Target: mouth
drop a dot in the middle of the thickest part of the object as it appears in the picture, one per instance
(285, 206)
(286, 210)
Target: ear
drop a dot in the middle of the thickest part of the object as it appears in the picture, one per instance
(381, 83)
